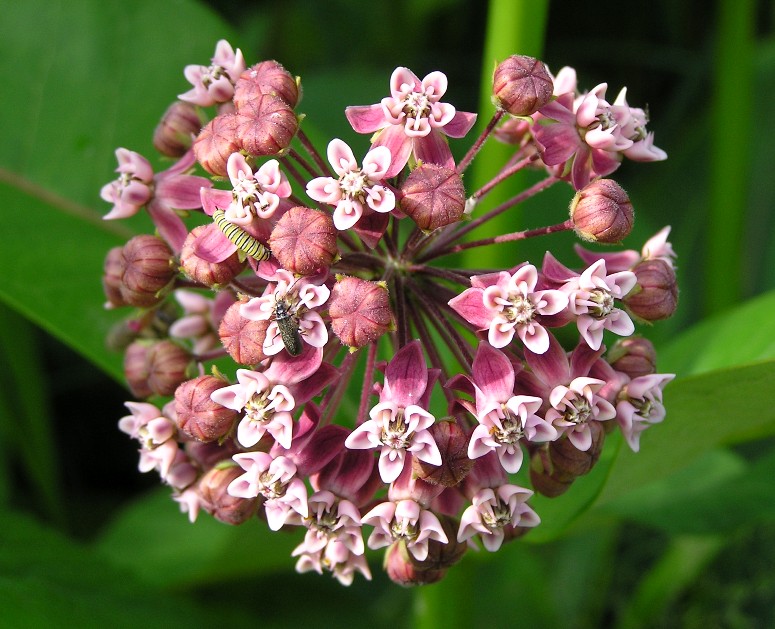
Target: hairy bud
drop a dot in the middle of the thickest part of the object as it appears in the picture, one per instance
(655, 296)
(219, 503)
(602, 212)
(148, 269)
(634, 356)
(204, 272)
(215, 142)
(304, 240)
(197, 415)
(453, 445)
(403, 569)
(167, 364)
(522, 85)
(267, 77)
(433, 196)
(359, 310)
(178, 126)
(241, 337)
(265, 125)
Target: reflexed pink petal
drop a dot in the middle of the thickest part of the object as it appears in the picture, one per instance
(551, 366)
(212, 199)
(470, 306)
(399, 145)
(493, 374)
(618, 261)
(460, 125)
(406, 376)
(171, 227)
(211, 245)
(433, 149)
(365, 119)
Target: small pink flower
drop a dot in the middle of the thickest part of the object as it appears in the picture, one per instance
(506, 305)
(301, 298)
(504, 418)
(335, 558)
(201, 317)
(357, 189)
(399, 423)
(575, 406)
(640, 406)
(412, 121)
(494, 509)
(162, 193)
(655, 248)
(190, 502)
(331, 518)
(404, 521)
(214, 83)
(275, 479)
(267, 408)
(591, 296)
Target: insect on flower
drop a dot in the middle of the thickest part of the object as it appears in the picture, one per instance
(240, 238)
(288, 324)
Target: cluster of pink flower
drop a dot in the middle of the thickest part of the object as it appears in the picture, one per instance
(305, 295)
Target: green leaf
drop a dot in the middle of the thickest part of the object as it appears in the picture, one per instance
(158, 543)
(96, 76)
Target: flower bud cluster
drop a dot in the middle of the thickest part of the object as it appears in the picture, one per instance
(317, 276)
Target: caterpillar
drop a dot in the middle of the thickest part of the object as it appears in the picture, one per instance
(240, 238)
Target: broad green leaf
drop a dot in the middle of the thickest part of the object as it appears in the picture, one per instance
(158, 543)
(96, 76)
(704, 411)
(47, 580)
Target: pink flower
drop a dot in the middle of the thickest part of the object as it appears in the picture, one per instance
(575, 406)
(336, 558)
(275, 479)
(507, 304)
(161, 194)
(411, 120)
(214, 83)
(655, 248)
(399, 423)
(504, 418)
(331, 518)
(267, 408)
(357, 189)
(300, 297)
(404, 521)
(640, 406)
(201, 317)
(494, 509)
(591, 296)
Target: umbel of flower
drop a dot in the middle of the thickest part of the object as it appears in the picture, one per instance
(330, 283)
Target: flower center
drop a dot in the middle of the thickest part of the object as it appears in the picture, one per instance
(212, 74)
(256, 410)
(603, 303)
(417, 105)
(498, 518)
(404, 529)
(270, 487)
(246, 190)
(578, 411)
(520, 311)
(353, 183)
(325, 522)
(394, 434)
(511, 431)
(607, 119)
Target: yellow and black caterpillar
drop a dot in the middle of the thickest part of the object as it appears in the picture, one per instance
(240, 238)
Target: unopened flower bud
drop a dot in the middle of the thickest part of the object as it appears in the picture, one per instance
(555, 466)
(602, 212)
(265, 125)
(304, 240)
(522, 85)
(359, 310)
(655, 296)
(204, 272)
(633, 356)
(241, 337)
(403, 568)
(136, 369)
(207, 455)
(176, 130)
(167, 365)
(111, 280)
(267, 77)
(148, 269)
(219, 503)
(455, 464)
(216, 142)
(433, 196)
(197, 415)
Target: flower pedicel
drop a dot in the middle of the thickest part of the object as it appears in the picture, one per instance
(306, 270)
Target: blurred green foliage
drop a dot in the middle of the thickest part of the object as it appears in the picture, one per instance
(677, 535)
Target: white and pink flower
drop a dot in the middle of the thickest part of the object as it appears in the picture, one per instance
(214, 84)
(494, 509)
(404, 521)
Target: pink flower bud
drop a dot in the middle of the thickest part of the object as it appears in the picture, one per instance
(359, 310)
(433, 196)
(304, 240)
(167, 364)
(633, 356)
(215, 142)
(554, 466)
(265, 125)
(208, 273)
(148, 270)
(197, 415)
(178, 126)
(602, 212)
(655, 296)
(267, 77)
(403, 568)
(111, 280)
(136, 369)
(453, 446)
(207, 455)
(522, 85)
(219, 503)
(241, 337)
